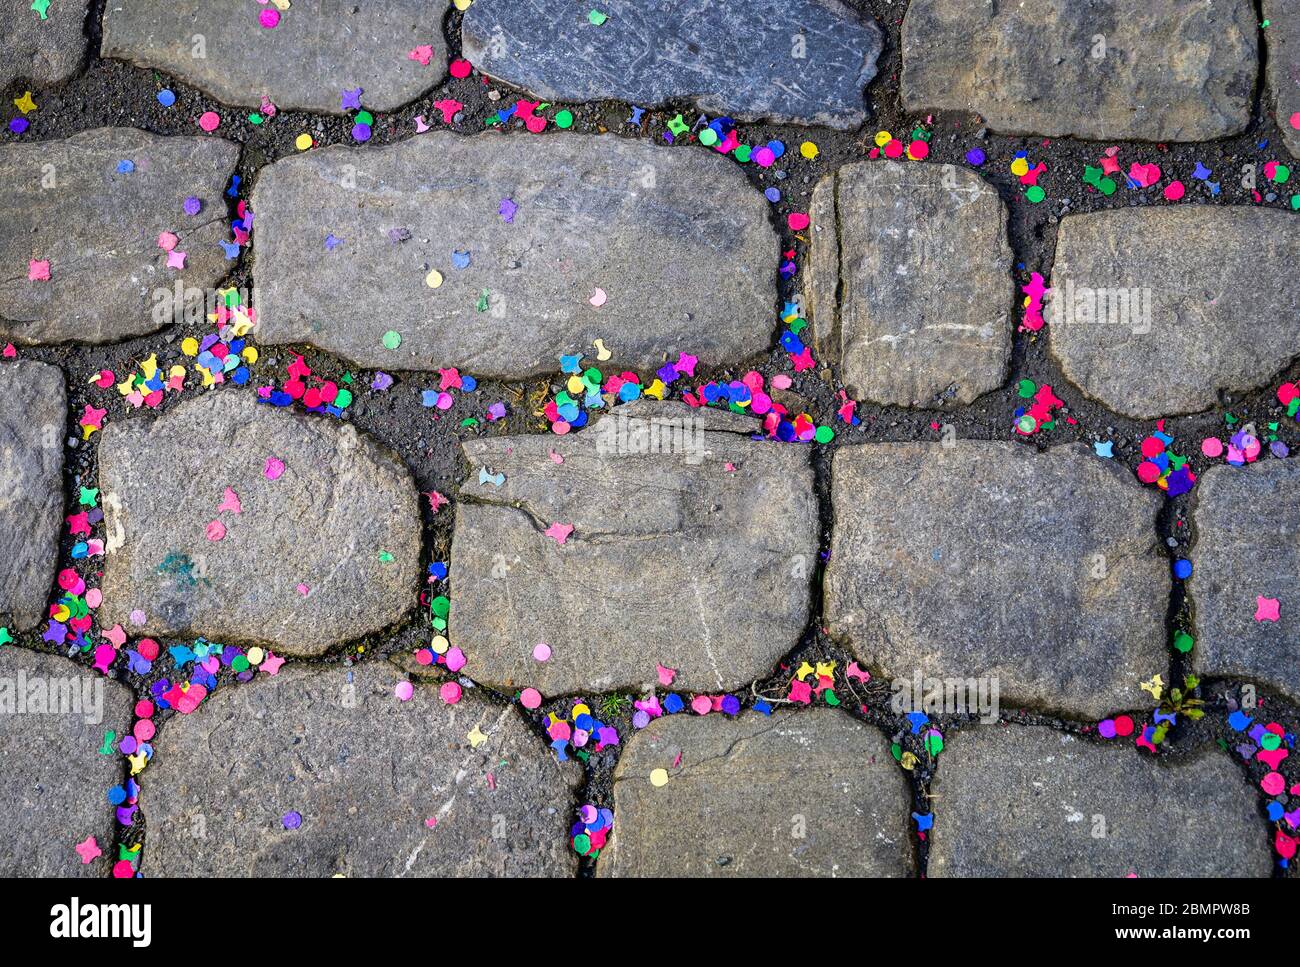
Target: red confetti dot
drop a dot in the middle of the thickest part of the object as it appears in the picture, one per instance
(460, 68)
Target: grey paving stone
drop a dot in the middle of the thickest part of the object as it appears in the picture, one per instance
(1282, 40)
(43, 51)
(1039, 571)
(1247, 547)
(673, 558)
(1168, 70)
(1026, 801)
(98, 227)
(806, 61)
(366, 773)
(53, 719)
(794, 795)
(319, 49)
(909, 281)
(33, 416)
(1217, 297)
(678, 240)
(326, 552)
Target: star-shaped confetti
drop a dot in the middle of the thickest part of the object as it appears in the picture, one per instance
(560, 532)
(1266, 609)
(25, 103)
(88, 850)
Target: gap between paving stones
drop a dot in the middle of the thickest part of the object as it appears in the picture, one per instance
(986, 417)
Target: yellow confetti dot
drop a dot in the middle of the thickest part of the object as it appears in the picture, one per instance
(190, 346)
(433, 279)
(580, 709)
(249, 354)
(440, 645)
(1020, 167)
(255, 655)
(462, 5)
(576, 385)
(808, 150)
(303, 142)
(883, 138)
(659, 777)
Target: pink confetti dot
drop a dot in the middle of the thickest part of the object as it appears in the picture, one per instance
(404, 691)
(216, 531)
(541, 652)
(450, 692)
(274, 468)
(1175, 191)
(209, 121)
(1273, 784)
(701, 705)
(269, 18)
(460, 68)
(1212, 446)
(530, 698)
(797, 221)
(1295, 120)
(138, 617)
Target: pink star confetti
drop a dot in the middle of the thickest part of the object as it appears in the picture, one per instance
(88, 850)
(560, 532)
(271, 664)
(230, 502)
(1266, 609)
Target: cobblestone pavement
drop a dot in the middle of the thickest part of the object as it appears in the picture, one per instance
(649, 438)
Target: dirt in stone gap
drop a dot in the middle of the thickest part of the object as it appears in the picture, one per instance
(110, 93)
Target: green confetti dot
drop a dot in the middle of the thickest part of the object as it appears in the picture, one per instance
(385, 557)
(365, 117)
(1107, 186)
(441, 606)
(1281, 174)
(742, 153)
(1027, 388)
(344, 399)
(708, 137)
(5, 637)
(934, 743)
(1270, 742)
(255, 118)
(1034, 194)
(1027, 424)
(596, 18)
(1183, 642)
(582, 844)
(824, 434)
(392, 339)
(240, 664)
(564, 119)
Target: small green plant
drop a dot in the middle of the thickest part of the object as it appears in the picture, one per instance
(1181, 701)
(614, 705)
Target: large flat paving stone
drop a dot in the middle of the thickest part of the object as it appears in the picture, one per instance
(53, 719)
(909, 281)
(1282, 39)
(673, 559)
(993, 561)
(1168, 70)
(93, 208)
(45, 50)
(379, 787)
(677, 240)
(318, 49)
(1154, 311)
(804, 61)
(33, 415)
(324, 546)
(1026, 801)
(1248, 547)
(804, 795)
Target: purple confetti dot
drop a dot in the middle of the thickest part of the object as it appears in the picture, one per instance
(292, 820)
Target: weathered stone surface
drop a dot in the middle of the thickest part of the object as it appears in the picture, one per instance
(678, 240)
(990, 560)
(673, 559)
(318, 49)
(1173, 70)
(98, 228)
(909, 282)
(747, 787)
(53, 716)
(366, 772)
(342, 520)
(33, 411)
(1282, 39)
(1247, 547)
(1027, 801)
(1218, 302)
(46, 51)
(806, 61)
